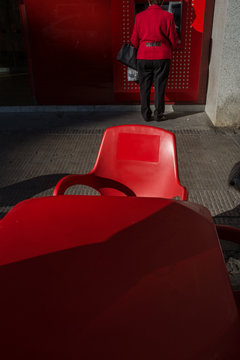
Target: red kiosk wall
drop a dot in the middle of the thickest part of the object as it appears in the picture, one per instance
(69, 50)
(72, 48)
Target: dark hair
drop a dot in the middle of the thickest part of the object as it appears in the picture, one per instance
(156, 2)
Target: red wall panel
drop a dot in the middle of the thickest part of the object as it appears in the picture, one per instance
(70, 45)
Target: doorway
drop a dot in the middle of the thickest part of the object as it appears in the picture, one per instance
(14, 77)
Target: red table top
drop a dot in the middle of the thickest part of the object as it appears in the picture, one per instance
(114, 278)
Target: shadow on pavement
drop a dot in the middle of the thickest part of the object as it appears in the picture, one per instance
(13, 194)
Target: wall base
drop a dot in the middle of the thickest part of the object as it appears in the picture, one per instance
(97, 108)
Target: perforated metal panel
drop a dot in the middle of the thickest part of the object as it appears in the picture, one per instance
(185, 69)
(180, 70)
(127, 85)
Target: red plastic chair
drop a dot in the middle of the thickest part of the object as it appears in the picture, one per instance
(133, 160)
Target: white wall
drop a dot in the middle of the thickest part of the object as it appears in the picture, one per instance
(223, 96)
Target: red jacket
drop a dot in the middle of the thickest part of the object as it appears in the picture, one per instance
(154, 25)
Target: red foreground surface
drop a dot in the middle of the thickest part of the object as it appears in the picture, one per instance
(86, 277)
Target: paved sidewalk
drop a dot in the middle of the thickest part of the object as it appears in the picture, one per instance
(38, 149)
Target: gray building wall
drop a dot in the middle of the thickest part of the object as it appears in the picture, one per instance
(223, 96)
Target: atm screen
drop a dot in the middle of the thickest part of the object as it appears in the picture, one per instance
(165, 7)
(174, 7)
(139, 7)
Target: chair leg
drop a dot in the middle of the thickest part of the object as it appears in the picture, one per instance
(228, 233)
(237, 298)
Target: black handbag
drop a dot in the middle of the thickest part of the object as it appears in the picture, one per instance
(128, 56)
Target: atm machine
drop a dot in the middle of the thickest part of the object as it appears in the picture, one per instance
(188, 77)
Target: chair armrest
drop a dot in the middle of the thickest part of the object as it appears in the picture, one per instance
(71, 180)
(93, 181)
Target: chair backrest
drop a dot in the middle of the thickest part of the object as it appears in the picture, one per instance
(142, 158)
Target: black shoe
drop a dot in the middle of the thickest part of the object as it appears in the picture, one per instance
(160, 118)
(147, 117)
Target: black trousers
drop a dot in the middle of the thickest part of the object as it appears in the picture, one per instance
(153, 72)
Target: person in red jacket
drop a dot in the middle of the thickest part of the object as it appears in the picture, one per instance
(155, 36)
